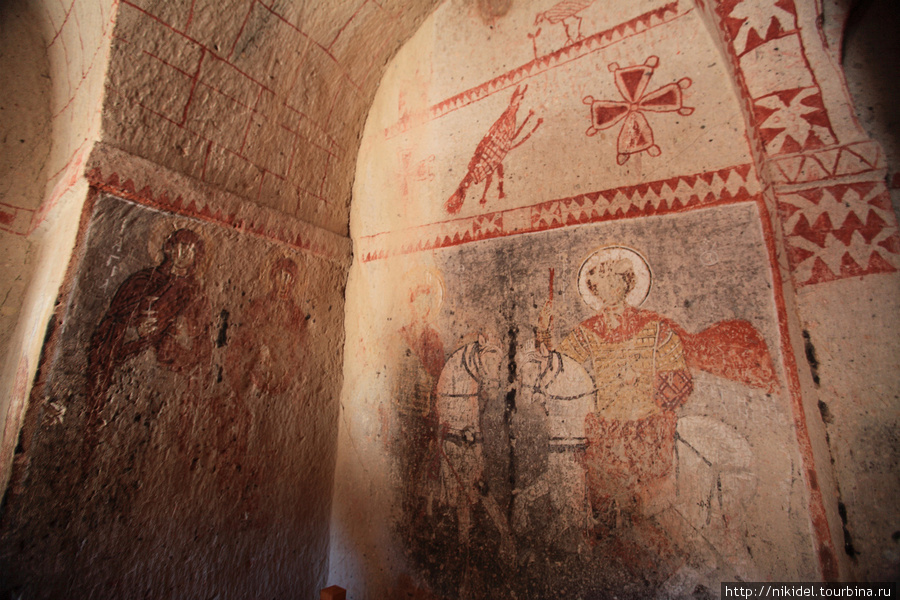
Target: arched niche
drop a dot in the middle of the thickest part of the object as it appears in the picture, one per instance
(55, 57)
(700, 137)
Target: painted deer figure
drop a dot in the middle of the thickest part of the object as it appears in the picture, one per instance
(500, 139)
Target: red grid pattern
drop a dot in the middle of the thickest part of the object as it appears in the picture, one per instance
(76, 51)
(256, 96)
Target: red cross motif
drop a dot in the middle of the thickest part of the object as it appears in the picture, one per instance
(636, 134)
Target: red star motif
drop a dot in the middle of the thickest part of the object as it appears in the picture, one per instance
(636, 134)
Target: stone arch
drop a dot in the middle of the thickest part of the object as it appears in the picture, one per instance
(66, 53)
(805, 152)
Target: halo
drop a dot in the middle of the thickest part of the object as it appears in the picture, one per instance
(639, 264)
(160, 232)
(428, 277)
(274, 256)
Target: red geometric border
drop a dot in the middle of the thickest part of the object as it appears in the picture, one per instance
(667, 196)
(264, 224)
(588, 45)
(838, 231)
(837, 161)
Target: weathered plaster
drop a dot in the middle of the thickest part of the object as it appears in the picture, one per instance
(184, 437)
(244, 121)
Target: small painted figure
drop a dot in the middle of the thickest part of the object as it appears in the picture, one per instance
(565, 12)
(500, 139)
(269, 349)
(162, 309)
(420, 360)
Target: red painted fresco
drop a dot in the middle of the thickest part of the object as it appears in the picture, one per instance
(667, 196)
(566, 13)
(162, 308)
(731, 349)
(415, 438)
(233, 215)
(636, 135)
(252, 361)
(838, 231)
(422, 170)
(641, 365)
(788, 111)
(588, 45)
(501, 138)
(824, 544)
(793, 120)
(751, 24)
(829, 163)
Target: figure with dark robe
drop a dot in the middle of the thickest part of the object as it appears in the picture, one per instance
(162, 310)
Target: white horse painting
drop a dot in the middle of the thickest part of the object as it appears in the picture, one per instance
(466, 376)
(563, 392)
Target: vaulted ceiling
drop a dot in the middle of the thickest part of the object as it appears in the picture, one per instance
(265, 99)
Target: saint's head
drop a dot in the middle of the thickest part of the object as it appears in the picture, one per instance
(610, 281)
(182, 251)
(422, 291)
(282, 276)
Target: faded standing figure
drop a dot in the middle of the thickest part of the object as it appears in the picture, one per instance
(267, 364)
(269, 350)
(420, 359)
(154, 340)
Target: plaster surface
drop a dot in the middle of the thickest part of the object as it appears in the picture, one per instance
(508, 142)
(181, 438)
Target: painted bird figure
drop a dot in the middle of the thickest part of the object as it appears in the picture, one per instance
(565, 12)
(491, 150)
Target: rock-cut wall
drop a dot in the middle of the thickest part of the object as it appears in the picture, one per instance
(596, 244)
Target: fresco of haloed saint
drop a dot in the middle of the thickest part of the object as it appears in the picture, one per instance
(418, 358)
(158, 324)
(632, 421)
(181, 397)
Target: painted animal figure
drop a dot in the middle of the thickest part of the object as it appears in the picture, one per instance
(563, 393)
(500, 139)
(565, 12)
(460, 400)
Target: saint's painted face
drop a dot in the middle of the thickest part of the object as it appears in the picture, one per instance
(283, 276)
(421, 302)
(284, 281)
(609, 282)
(183, 250)
(183, 255)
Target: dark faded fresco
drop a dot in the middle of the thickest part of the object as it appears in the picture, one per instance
(603, 421)
(181, 430)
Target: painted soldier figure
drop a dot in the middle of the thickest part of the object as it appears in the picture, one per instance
(641, 363)
(641, 377)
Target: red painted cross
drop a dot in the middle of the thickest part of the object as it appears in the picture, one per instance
(636, 134)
